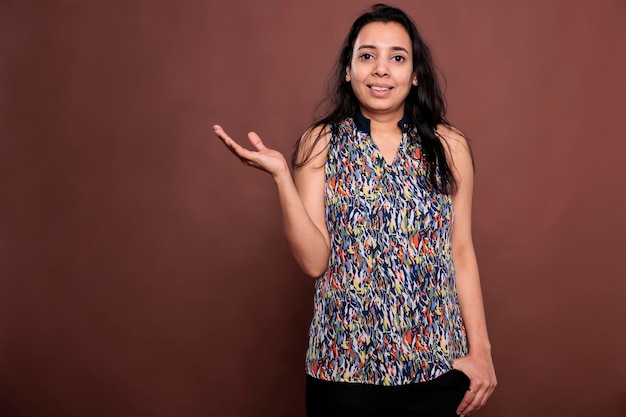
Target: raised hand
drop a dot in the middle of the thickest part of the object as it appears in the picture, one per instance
(263, 158)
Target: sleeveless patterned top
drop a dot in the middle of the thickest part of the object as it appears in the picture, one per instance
(386, 309)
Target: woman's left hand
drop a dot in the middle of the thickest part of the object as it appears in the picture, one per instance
(479, 369)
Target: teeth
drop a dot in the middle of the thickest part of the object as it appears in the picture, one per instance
(379, 88)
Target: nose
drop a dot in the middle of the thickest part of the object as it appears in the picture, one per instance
(381, 68)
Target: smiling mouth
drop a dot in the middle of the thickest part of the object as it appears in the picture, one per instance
(381, 89)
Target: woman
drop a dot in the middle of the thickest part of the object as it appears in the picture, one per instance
(379, 210)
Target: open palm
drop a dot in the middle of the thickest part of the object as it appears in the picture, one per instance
(262, 157)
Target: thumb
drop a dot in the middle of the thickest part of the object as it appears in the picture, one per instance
(256, 141)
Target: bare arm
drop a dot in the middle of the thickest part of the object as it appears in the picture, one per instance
(301, 201)
(477, 365)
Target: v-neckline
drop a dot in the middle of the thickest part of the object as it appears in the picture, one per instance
(380, 155)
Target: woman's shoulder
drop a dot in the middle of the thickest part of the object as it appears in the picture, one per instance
(456, 146)
(312, 147)
(451, 136)
(317, 135)
(454, 141)
(322, 134)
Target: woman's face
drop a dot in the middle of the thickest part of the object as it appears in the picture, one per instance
(381, 70)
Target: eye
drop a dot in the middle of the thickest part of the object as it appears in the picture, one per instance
(365, 57)
(399, 58)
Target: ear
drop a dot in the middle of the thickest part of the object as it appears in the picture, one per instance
(415, 80)
(347, 78)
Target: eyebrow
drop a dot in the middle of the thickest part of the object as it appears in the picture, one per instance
(395, 48)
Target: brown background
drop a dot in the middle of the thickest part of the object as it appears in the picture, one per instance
(143, 270)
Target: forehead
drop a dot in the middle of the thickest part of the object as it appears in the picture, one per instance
(382, 35)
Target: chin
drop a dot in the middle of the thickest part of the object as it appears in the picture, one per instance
(382, 108)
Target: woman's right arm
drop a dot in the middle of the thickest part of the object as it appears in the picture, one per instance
(301, 197)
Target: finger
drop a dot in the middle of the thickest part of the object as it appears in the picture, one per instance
(221, 134)
(462, 409)
(239, 151)
(487, 395)
(256, 141)
(476, 399)
(472, 400)
(219, 131)
(475, 404)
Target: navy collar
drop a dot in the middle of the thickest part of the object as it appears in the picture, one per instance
(363, 123)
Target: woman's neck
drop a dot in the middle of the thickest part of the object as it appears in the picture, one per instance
(384, 124)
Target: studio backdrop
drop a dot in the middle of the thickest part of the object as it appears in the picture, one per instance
(143, 269)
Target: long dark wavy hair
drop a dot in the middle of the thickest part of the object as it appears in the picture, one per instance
(425, 105)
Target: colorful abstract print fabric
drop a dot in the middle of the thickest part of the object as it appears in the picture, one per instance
(386, 309)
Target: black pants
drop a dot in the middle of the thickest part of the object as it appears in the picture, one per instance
(437, 398)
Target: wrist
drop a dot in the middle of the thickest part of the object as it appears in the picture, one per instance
(282, 177)
(480, 348)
